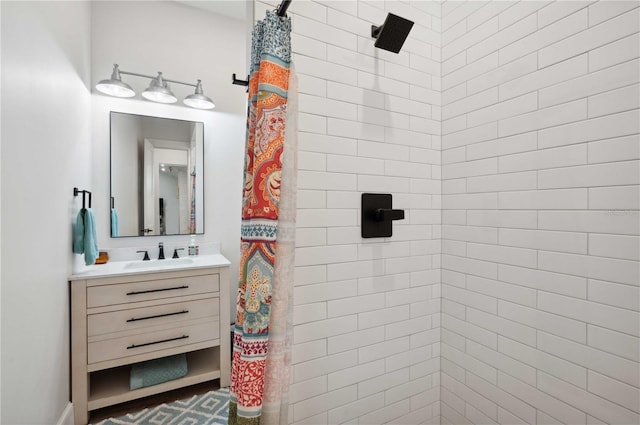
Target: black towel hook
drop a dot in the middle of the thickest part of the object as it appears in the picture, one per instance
(84, 192)
(237, 82)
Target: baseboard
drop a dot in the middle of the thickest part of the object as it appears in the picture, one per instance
(67, 416)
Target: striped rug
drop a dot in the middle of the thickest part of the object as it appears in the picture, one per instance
(211, 408)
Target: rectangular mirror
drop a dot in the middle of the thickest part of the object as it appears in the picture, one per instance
(157, 176)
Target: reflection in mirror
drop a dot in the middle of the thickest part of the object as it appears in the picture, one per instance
(157, 173)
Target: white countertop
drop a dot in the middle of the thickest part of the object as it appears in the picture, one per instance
(124, 268)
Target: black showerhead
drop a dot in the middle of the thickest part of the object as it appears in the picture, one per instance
(392, 34)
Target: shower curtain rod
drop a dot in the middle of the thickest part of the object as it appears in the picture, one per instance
(282, 9)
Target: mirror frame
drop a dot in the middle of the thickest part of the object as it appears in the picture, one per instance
(111, 160)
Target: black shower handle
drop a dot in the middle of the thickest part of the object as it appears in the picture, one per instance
(383, 214)
(377, 215)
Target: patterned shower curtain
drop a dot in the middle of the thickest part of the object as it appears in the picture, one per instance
(192, 207)
(262, 332)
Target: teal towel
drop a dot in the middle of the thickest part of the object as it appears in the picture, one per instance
(85, 240)
(114, 223)
(157, 371)
(78, 234)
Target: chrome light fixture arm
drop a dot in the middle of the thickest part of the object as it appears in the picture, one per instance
(152, 78)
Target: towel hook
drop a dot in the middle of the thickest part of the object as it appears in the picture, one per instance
(84, 192)
(238, 82)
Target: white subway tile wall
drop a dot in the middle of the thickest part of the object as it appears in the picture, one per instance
(509, 132)
(541, 197)
(366, 316)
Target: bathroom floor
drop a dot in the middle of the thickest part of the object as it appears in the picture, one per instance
(137, 405)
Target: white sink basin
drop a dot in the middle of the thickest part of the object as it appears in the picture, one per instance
(159, 264)
(113, 268)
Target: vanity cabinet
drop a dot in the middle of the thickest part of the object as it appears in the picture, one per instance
(117, 321)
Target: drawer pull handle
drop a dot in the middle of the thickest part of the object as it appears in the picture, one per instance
(157, 290)
(157, 342)
(135, 319)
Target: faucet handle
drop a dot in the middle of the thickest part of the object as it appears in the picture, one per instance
(146, 255)
(175, 252)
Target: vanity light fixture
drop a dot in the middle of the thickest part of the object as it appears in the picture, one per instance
(114, 85)
(198, 99)
(158, 90)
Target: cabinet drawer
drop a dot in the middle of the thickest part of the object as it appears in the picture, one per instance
(140, 318)
(130, 345)
(149, 290)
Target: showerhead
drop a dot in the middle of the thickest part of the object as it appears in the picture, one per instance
(392, 34)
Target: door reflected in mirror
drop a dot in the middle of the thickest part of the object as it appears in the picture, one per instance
(157, 172)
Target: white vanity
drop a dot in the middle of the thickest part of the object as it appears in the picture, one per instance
(128, 312)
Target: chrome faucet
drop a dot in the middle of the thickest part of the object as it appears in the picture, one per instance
(161, 248)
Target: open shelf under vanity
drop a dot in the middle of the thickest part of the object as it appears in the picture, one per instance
(111, 386)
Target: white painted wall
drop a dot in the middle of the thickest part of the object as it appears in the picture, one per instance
(366, 338)
(45, 151)
(540, 201)
(186, 44)
(0, 227)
